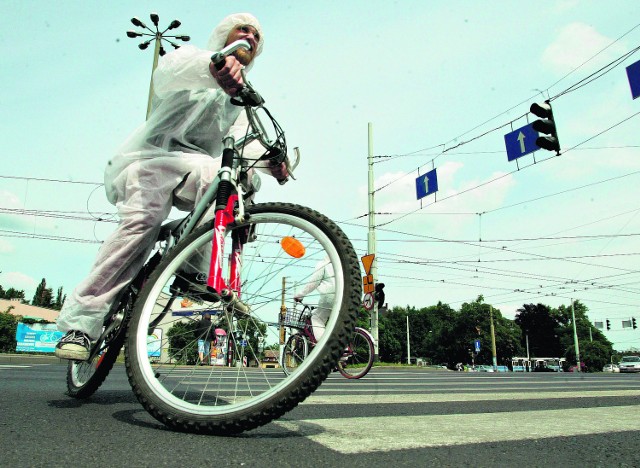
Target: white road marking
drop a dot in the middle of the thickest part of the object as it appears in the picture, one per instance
(316, 398)
(387, 433)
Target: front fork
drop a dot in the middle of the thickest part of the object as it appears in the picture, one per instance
(226, 201)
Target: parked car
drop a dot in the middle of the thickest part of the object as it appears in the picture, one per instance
(611, 368)
(630, 364)
(482, 368)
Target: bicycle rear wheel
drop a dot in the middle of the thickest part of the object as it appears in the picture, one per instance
(85, 377)
(295, 351)
(357, 358)
(233, 398)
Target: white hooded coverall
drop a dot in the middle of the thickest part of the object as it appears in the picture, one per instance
(166, 162)
(322, 281)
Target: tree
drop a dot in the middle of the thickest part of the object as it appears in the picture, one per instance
(8, 327)
(182, 344)
(12, 293)
(60, 298)
(43, 295)
(593, 354)
(542, 328)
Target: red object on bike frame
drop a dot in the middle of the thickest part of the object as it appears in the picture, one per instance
(215, 280)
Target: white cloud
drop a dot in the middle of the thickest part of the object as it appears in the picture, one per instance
(10, 200)
(574, 45)
(17, 280)
(6, 247)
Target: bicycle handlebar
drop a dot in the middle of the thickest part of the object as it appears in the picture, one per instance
(249, 98)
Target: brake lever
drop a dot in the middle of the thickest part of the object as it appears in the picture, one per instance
(247, 96)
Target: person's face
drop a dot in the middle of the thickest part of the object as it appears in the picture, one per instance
(249, 34)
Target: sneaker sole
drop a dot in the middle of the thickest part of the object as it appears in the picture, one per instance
(71, 354)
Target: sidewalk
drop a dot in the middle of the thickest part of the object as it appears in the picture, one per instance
(30, 359)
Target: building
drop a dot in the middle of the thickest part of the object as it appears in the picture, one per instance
(28, 311)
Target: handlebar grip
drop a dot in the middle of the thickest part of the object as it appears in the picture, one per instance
(218, 60)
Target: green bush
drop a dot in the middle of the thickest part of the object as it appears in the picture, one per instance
(8, 327)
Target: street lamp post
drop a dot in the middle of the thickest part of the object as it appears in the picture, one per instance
(157, 36)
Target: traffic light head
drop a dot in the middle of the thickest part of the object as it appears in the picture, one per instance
(608, 325)
(633, 323)
(545, 125)
(379, 295)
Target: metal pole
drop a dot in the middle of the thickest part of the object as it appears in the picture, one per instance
(493, 341)
(575, 337)
(371, 244)
(156, 54)
(408, 343)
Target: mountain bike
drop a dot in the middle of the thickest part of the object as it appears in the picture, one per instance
(357, 356)
(234, 266)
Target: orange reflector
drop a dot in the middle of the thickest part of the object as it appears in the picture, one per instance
(292, 246)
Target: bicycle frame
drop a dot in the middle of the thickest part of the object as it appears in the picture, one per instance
(228, 193)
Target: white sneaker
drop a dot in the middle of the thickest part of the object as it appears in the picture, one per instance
(75, 345)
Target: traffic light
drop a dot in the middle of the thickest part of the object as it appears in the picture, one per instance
(379, 295)
(633, 323)
(608, 325)
(545, 125)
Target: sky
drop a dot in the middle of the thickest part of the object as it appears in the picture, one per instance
(439, 83)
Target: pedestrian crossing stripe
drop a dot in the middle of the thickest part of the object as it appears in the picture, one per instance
(319, 398)
(415, 432)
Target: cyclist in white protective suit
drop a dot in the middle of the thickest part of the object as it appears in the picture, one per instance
(322, 281)
(166, 162)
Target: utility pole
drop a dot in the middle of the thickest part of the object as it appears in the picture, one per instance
(408, 343)
(493, 341)
(371, 245)
(575, 337)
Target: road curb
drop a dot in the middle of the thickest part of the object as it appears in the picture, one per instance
(29, 359)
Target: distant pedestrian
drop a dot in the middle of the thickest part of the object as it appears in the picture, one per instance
(205, 334)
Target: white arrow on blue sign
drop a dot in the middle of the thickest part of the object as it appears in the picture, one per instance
(633, 73)
(426, 184)
(477, 346)
(520, 142)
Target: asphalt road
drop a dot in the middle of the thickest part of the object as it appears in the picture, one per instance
(392, 416)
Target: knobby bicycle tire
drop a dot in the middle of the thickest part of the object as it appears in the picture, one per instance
(296, 349)
(85, 377)
(229, 400)
(356, 362)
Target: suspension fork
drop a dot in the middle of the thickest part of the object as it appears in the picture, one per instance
(226, 201)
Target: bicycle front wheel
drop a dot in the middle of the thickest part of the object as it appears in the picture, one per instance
(284, 246)
(357, 358)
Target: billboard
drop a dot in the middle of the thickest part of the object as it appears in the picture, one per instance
(37, 337)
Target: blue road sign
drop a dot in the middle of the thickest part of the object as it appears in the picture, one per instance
(426, 184)
(477, 344)
(633, 73)
(520, 142)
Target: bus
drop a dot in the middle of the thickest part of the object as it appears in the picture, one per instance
(520, 364)
(542, 364)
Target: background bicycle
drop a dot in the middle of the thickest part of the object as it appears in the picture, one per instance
(357, 357)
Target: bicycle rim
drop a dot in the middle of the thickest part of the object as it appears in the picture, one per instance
(232, 398)
(357, 359)
(296, 350)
